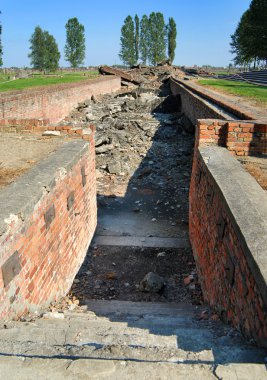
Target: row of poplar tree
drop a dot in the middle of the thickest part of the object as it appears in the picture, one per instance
(249, 42)
(149, 40)
(45, 54)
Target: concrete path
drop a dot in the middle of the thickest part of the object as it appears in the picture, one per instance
(119, 224)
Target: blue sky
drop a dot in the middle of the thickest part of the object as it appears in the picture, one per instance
(204, 27)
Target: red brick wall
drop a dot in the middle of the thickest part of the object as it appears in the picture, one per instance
(241, 138)
(53, 102)
(228, 282)
(40, 253)
(32, 126)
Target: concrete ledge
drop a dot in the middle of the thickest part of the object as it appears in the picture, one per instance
(196, 106)
(240, 111)
(246, 202)
(20, 197)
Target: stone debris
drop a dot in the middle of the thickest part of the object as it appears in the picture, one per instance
(152, 282)
(133, 129)
(51, 133)
(53, 315)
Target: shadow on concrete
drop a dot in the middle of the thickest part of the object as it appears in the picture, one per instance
(204, 341)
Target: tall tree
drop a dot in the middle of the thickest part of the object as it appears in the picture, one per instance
(172, 34)
(249, 42)
(75, 42)
(1, 46)
(38, 50)
(240, 44)
(258, 22)
(44, 50)
(157, 38)
(136, 36)
(127, 53)
(52, 54)
(144, 39)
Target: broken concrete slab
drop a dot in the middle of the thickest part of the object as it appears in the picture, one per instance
(107, 70)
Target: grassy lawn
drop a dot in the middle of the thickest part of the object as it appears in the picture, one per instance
(44, 80)
(251, 91)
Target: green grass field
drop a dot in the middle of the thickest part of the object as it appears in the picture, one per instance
(247, 90)
(44, 80)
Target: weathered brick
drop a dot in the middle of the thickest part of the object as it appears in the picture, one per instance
(49, 258)
(227, 281)
(53, 102)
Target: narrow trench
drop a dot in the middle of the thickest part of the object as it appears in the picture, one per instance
(144, 149)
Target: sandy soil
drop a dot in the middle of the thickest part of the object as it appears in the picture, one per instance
(257, 167)
(18, 153)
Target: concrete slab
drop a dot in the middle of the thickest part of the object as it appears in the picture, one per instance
(141, 241)
(62, 369)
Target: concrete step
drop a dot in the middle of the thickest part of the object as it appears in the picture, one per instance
(61, 369)
(141, 241)
(129, 330)
(122, 308)
(104, 334)
(143, 348)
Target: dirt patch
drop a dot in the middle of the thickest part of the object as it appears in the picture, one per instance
(18, 153)
(257, 167)
(9, 175)
(114, 273)
(258, 173)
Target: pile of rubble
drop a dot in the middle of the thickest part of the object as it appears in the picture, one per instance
(143, 74)
(144, 147)
(130, 125)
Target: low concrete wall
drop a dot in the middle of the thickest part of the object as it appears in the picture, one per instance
(47, 220)
(53, 102)
(201, 103)
(228, 233)
(194, 106)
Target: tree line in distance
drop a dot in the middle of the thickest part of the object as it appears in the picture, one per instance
(149, 40)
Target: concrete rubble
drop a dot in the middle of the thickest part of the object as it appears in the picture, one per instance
(130, 122)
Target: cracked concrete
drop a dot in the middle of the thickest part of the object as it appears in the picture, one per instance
(127, 340)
